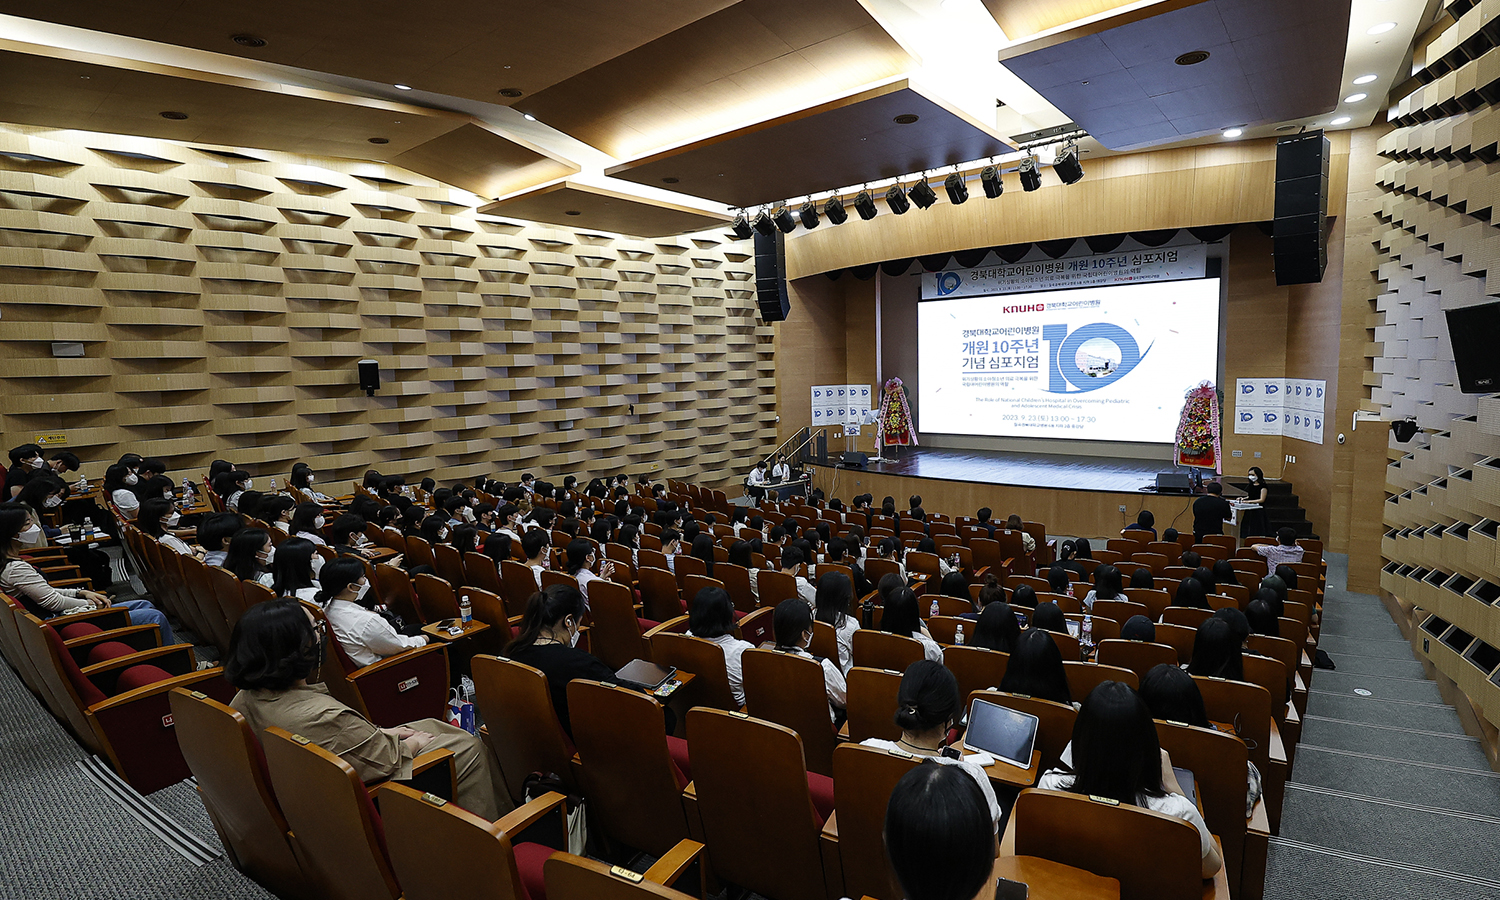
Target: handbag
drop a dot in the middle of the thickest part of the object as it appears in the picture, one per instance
(539, 783)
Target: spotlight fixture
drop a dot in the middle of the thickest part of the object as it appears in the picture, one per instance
(528, 117)
(834, 210)
(248, 40)
(922, 194)
(1233, 132)
(402, 87)
(864, 204)
(989, 179)
(1031, 179)
(1067, 166)
(764, 225)
(808, 214)
(895, 198)
(784, 219)
(1404, 429)
(512, 93)
(958, 192)
(378, 140)
(741, 226)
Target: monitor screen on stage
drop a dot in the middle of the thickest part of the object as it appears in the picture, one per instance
(1096, 363)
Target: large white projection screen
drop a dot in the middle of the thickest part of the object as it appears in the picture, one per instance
(1100, 364)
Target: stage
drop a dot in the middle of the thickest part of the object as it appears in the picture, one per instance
(1075, 496)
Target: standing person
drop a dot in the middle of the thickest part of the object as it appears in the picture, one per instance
(1210, 512)
(755, 483)
(1260, 493)
(780, 471)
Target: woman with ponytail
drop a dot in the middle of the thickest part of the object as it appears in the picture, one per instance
(548, 641)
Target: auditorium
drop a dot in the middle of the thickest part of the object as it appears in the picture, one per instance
(750, 450)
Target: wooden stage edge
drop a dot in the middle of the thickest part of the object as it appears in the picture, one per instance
(1071, 496)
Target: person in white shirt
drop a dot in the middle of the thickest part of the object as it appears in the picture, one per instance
(791, 561)
(780, 471)
(366, 636)
(276, 510)
(793, 624)
(711, 617)
(935, 837)
(891, 549)
(155, 517)
(292, 569)
(1028, 543)
(251, 555)
(509, 517)
(528, 482)
(1115, 754)
(582, 557)
(755, 482)
(302, 479)
(832, 601)
(739, 521)
(308, 522)
(901, 616)
(537, 545)
(671, 545)
(927, 706)
(118, 484)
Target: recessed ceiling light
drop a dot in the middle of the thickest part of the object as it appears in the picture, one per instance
(1286, 127)
(670, 179)
(906, 119)
(1192, 58)
(403, 87)
(510, 92)
(1233, 132)
(174, 115)
(1341, 120)
(529, 117)
(1382, 28)
(248, 40)
(1365, 79)
(379, 140)
(1355, 98)
(568, 212)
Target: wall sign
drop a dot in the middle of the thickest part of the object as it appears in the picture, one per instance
(1290, 407)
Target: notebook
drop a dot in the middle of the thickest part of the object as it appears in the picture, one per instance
(1006, 734)
(646, 676)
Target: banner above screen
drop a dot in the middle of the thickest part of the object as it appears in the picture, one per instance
(1072, 271)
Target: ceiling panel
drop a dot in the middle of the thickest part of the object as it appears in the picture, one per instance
(753, 60)
(1268, 62)
(581, 206)
(466, 48)
(1024, 18)
(479, 160)
(847, 141)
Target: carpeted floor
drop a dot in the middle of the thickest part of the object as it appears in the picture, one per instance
(1388, 798)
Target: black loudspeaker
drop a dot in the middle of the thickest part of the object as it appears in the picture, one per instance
(1174, 483)
(1299, 233)
(820, 451)
(855, 460)
(1472, 330)
(770, 286)
(369, 376)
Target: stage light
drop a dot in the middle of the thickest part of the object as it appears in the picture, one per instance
(1067, 166)
(834, 210)
(1031, 179)
(808, 214)
(783, 219)
(764, 225)
(864, 204)
(741, 226)
(989, 179)
(958, 192)
(922, 194)
(895, 198)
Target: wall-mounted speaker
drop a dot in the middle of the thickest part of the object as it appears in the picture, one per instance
(1472, 330)
(1299, 235)
(369, 376)
(770, 284)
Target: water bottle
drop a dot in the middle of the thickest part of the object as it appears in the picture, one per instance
(88, 525)
(465, 609)
(933, 612)
(958, 637)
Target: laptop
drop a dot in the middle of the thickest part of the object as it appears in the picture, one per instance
(1004, 733)
(643, 675)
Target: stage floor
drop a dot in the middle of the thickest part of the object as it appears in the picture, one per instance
(1037, 470)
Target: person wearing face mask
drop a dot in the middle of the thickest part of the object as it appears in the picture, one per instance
(232, 486)
(509, 516)
(25, 461)
(251, 555)
(41, 494)
(302, 478)
(276, 510)
(793, 623)
(22, 581)
(308, 522)
(547, 641)
(118, 486)
(275, 647)
(156, 517)
(367, 636)
(1254, 523)
(292, 570)
(581, 560)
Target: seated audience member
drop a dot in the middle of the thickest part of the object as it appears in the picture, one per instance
(1083, 548)
(1278, 586)
(219, 467)
(1144, 521)
(25, 461)
(1223, 572)
(983, 515)
(1142, 578)
(891, 549)
(1205, 576)
(901, 616)
(1024, 595)
(155, 487)
(582, 557)
(630, 538)
(547, 640)
(1173, 696)
(118, 484)
(1049, 617)
(367, 635)
(1036, 668)
(250, 556)
(1067, 558)
(497, 547)
(155, 518)
(711, 617)
(41, 494)
(1028, 543)
(832, 601)
(1108, 585)
(308, 522)
(703, 549)
(248, 505)
(793, 623)
(1138, 628)
(214, 532)
(945, 563)
(21, 580)
(1169, 535)
(1284, 551)
(989, 592)
(1058, 581)
(347, 535)
(671, 545)
(955, 585)
(276, 511)
(230, 485)
(273, 650)
(791, 564)
(1239, 626)
(934, 836)
(928, 705)
(536, 544)
(1190, 560)
(302, 478)
(1262, 619)
(1216, 652)
(292, 569)
(1115, 754)
(998, 628)
(1190, 593)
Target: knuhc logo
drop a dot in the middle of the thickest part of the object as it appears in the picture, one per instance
(947, 283)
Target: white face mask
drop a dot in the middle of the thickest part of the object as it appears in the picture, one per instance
(318, 522)
(52, 502)
(37, 463)
(573, 638)
(249, 483)
(31, 535)
(171, 521)
(130, 478)
(310, 478)
(443, 533)
(360, 590)
(268, 557)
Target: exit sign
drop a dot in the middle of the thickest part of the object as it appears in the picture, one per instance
(55, 438)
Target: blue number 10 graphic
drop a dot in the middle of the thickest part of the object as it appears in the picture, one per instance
(1065, 376)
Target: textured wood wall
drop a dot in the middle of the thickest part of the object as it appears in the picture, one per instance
(223, 299)
(1437, 251)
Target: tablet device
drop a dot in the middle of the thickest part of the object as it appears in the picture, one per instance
(1004, 733)
(643, 675)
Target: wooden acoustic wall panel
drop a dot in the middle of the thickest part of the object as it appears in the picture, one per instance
(752, 60)
(223, 299)
(1437, 249)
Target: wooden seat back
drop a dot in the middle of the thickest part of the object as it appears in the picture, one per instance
(1054, 728)
(393, 586)
(1067, 645)
(481, 571)
(1270, 674)
(1120, 610)
(660, 597)
(1188, 616)
(1179, 638)
(338, 833)
(1170, 549)
(1083, 677)
(704, 659)
(435, 598)
(1245, 706)
(200, 589)
(1226, 542)
(944, 628)
(1139, 657)
(226, 759)
(1038, 584)
(790, 690)
(449, 564)
(749, 773)
(1156, 562)
(615, 634)
(1153, 856)
(628, 775)
(684, 565)
(693, 584)
(520, 584)
(877, 568)
(1156, 600)
(1217, 761)
(976, 668)
(419, 551)
(489, 607)
(736, 580)
(759, 627)
(516, 704)
(881, 650)
(775, 586)
(825, 643)
(572, 877)
(872, 703)
(1211, 553)
(227, 594)
(863, 780)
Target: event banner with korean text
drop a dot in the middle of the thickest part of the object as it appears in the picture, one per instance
(1070, 271)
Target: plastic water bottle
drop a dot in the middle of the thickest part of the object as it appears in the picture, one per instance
(958, 637)
(88, 525)
(934, 610)
(187, 493)
(465, 609)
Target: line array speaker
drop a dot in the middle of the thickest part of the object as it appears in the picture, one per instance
(770, 284)
(1299, 235)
